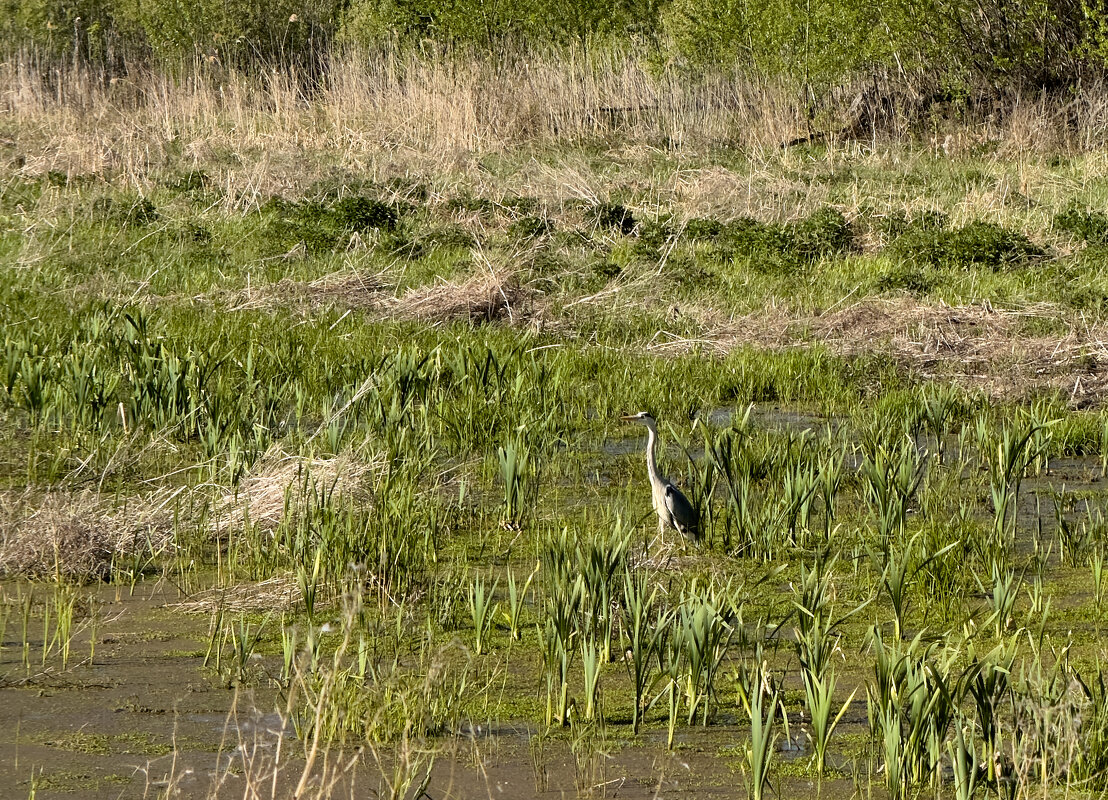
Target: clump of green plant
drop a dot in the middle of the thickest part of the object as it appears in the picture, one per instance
(699, 228)
(826, 232)
(614, 217)
(530, 227)
(323, 225)
(786, 248)
(1082, 223)
(979, 244)
(137, 213)
(905, 277)
(653, 237)
(896, 224)
(816, 642)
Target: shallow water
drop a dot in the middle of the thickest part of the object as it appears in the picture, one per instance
(146, 717)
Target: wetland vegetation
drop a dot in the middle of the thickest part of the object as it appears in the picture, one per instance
(314, 482)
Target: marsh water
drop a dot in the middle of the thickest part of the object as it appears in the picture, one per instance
(136, 713)
(146, 719)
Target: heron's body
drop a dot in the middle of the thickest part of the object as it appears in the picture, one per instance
(671, 506)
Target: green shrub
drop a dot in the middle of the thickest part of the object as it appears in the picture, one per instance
(897, 224)
(192, 181)
(979, 244)
(615, 217)
(133, 213)
(530, 227)
(825, 233)
(469, 204)
(239, 32)
(787, 248)
(321, 225)
(811, 43)
(1089, 226)
(361, 214)
(653, 237)
(905, 277)
(490, 25)
(700, 228)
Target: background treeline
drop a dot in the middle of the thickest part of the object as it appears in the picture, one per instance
(952, 47)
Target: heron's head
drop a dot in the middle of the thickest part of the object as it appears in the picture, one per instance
(643, 418)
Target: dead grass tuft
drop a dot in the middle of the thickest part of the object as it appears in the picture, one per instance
(483, 298)
(279, 593)
(79, 536)
(261, 495)
(345, 289)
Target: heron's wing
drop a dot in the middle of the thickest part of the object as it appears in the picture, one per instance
(681, 510)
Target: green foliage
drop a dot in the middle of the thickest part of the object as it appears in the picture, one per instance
(1089, 226)
(807, 43)
(700, 228)
(905, 277)
(125, 212)
(242, 32)
(614, 217)
(83, 29)
(530, 227)
(786, 248)
(979, 244)
(815, 46)
(897, 224)
(323, 225)
(491, 24)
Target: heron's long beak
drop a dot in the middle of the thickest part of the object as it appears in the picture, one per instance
(628, 417)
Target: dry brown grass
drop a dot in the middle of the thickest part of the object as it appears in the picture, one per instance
(261, 495)
(976, 345)
(347, 289)
(279, 593)
(488, 297)
(481, 298)
(387, 114)
(79, 536)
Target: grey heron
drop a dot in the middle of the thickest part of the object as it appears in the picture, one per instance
(671, 506)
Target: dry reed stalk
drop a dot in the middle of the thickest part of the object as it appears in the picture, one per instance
(389, 107)
(79, 536)
(346, 289)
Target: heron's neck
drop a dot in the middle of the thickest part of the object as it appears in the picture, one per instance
(651, 463)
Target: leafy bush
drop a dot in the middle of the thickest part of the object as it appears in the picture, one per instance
(1090, 226)
(905, 277)
(825, 233)
(979, 244)
(897, 224)
(653, 237)
(613, 216)
(322, 226)
(530, 227)
(360, 214)
(786, 248)
(811, 43)
(490, 24)
(700, 228)
(136, 213)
